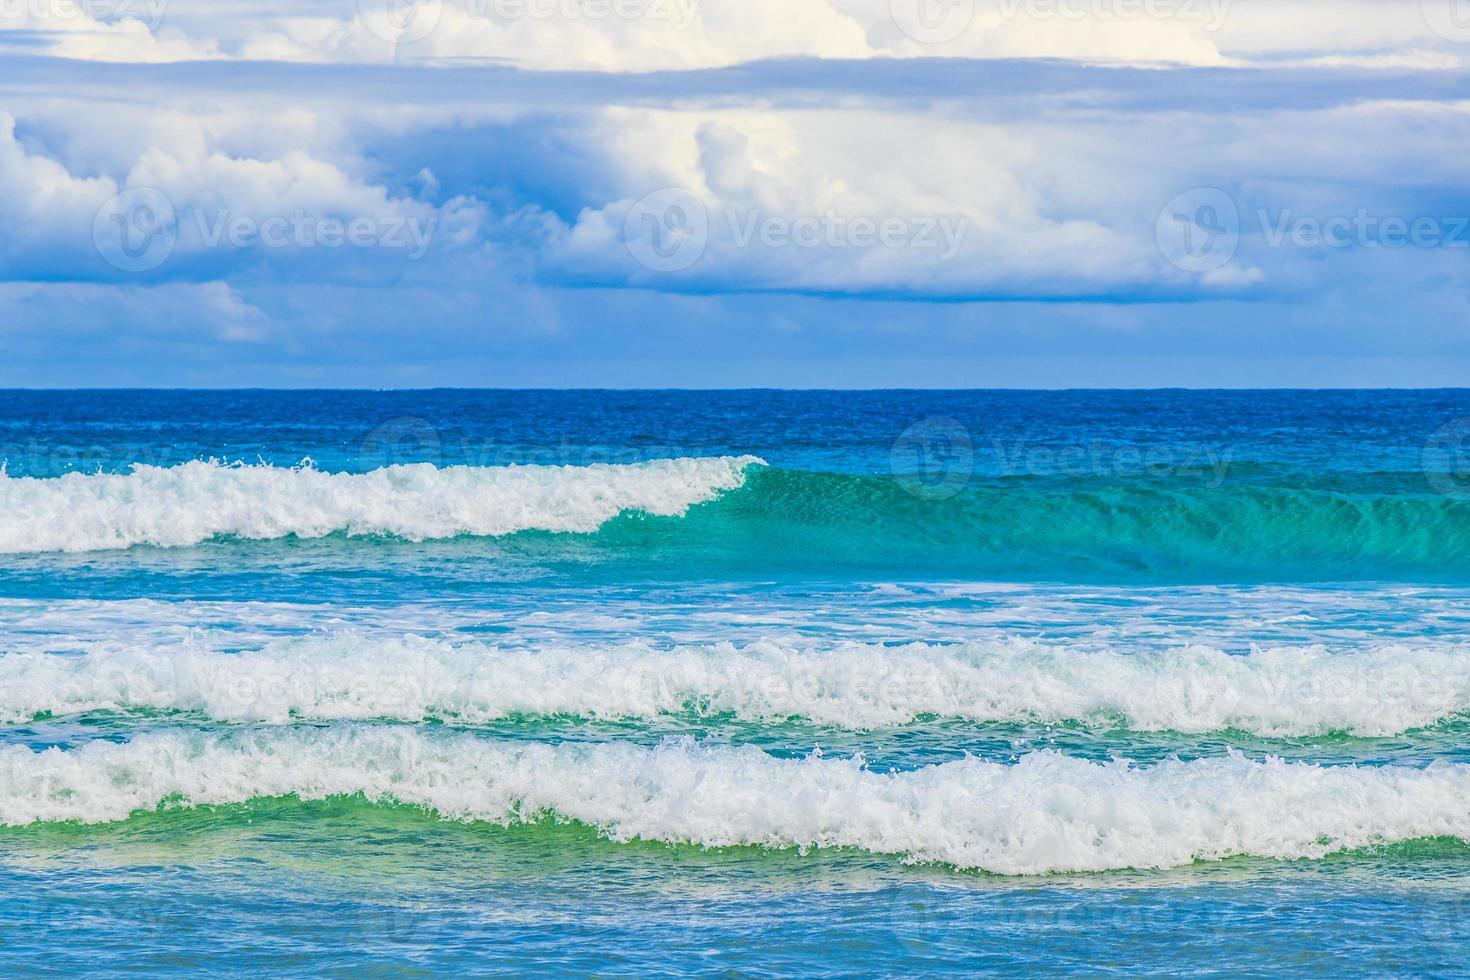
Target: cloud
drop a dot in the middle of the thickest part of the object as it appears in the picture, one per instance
(100, 30)
(810, 202)
(45, 210)
(1050, 197)
(181, 207)
(98, 319)
(651, 35)
(415, 213)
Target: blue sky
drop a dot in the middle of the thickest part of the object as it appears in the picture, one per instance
(823, 193)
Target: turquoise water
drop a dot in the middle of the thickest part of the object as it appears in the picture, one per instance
(755, 682)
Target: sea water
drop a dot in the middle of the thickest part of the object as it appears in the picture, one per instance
(761, 683)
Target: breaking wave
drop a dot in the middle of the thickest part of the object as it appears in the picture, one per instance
(1291, 691)
(1040, 529)
(194, 502)
(1046, 813)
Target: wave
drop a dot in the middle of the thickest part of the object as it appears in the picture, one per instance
(194, 502)
(1083, 529)
(1283, 692)
(1047, 813)
(1023, 528)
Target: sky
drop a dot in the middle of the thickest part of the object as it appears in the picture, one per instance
(735, 193)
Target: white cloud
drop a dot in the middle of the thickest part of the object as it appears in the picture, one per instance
(44, 208)
(204, 312)
(646, 35)
(203, 202)
(104, 30)
(1053, 196)
(800, 201)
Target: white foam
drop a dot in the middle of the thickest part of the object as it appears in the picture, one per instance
(346, 676)
(1233, 619)
(187, 504)
(1048, 813)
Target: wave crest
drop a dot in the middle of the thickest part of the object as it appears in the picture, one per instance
(191, 503)
(1278, 692)
(1047, 813)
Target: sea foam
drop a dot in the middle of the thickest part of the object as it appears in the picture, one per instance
(346, 676)
(193, 502)
(1046, 813)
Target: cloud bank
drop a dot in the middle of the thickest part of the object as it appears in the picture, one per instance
(665, 192)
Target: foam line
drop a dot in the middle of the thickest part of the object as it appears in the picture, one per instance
(345, 676)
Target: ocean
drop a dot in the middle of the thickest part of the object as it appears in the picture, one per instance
(734, 683)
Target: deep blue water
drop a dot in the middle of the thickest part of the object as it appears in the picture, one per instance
(759, 682)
